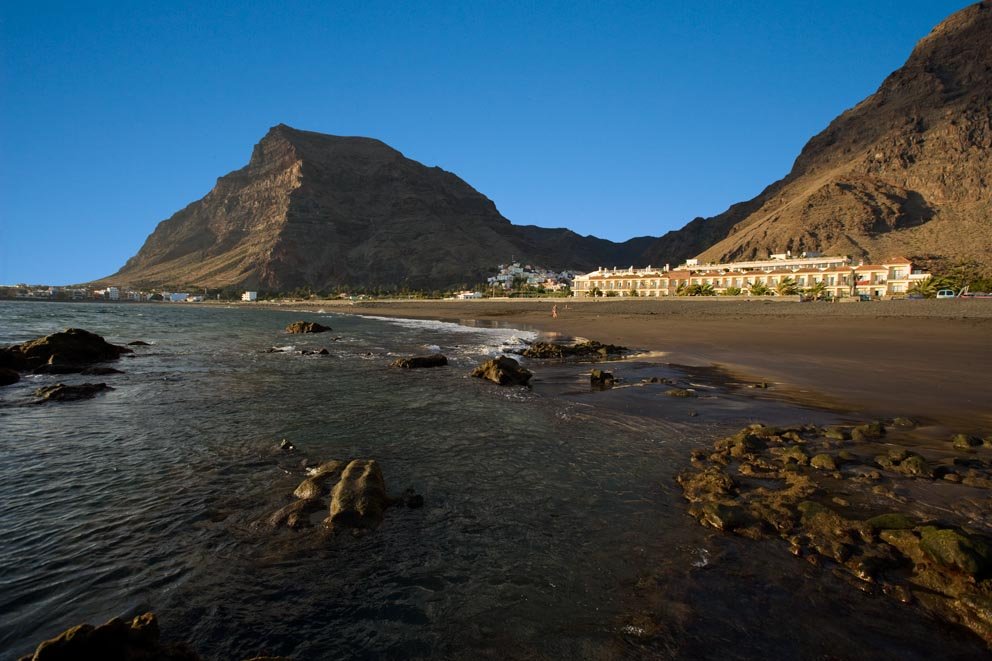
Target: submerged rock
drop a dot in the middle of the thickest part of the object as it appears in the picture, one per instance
(114, 641)
(681, 392)
(601, 379)
(307, 327)
(63, 393)
(503, 371)
(138, 343)
(416, 362)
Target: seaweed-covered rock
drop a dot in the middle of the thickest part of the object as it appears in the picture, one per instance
(836, 434)
(870, 431)
(503, 371)
(307, 327)
(417, 362)
(601, 379)
(823, 461)
(296, 514)
(894, 521)
(114, 641)
(966, 442)
(63, 393)
(952, 548)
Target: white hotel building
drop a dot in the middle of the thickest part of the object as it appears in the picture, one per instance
(839, 275)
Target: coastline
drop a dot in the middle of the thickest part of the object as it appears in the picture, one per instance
(925, 359)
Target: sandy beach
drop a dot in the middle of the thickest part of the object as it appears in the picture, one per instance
(929, 359)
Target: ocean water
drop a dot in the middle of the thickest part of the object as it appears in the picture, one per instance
(552, 526)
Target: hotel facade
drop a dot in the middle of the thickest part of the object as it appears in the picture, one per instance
(840, 277)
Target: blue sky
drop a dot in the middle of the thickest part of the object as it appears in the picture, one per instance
(613, 119)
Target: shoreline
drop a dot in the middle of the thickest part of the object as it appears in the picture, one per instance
(924, 359)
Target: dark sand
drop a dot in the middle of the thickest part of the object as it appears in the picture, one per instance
(930, 359)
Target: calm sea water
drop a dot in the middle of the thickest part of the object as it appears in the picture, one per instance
(553, 527)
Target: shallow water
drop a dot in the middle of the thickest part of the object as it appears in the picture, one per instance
(553, 527)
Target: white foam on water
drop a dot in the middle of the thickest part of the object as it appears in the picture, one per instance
(497, 341)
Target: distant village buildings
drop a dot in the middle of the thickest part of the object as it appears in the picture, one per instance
(249, 296)
(515, 275)
(838, 276)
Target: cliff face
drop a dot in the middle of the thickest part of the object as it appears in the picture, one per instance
(905, 172)
(319, 210)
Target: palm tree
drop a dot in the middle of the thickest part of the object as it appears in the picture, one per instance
(927, 287)
(732, 291)
(787, 287)
(817, 290)
(759, 289)
(682, 290)
(633, 292)
(596, 291)
(705, 290)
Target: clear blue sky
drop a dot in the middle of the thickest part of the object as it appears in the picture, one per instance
(613, 119)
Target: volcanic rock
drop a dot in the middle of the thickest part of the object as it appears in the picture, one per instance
(114, 641)
(307, 327)
(68, 349)
(8, 376)
(414, 362)
(503, 371)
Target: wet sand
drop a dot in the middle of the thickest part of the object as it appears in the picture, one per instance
(926, 359)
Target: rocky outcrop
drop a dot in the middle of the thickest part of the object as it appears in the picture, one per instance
(61, 392)
(416, 362)
(503, 371)
(307, 327)
(824, 495)
(72, 349)
(116, 640)
(359, 498)
(352, 495)
(904, 172)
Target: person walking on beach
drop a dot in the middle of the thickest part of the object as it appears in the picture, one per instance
(554, 311)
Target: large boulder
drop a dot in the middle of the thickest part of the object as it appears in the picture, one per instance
(592, 348)
(307, 327)
(359, 498)
(414, 362)
(63, 393)
(69, 348)
(116, 640)
(601, 379)
(503, 371)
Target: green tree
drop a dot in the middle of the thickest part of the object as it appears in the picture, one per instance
(787, 287)
(817, 291)
(732, 291)
(759, 289)
(613, 293)
(705, 289)
(632, 292)
(596, 291)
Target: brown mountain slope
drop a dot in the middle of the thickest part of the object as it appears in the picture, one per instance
(905, 172)
(318, 210)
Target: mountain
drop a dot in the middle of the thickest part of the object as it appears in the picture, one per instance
(318, 210)
(905, 172)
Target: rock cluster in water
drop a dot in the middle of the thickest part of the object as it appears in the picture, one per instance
(70, 351)
(591, 349)
(353, 494)
(307, 327)
(416, 362)
(503, 371)
(836, 495)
